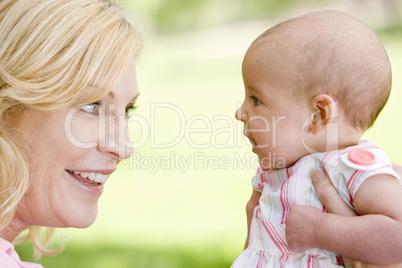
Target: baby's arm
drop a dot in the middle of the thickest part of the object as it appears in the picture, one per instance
(374, 237)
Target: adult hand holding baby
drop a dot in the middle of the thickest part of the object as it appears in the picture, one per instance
(328, 194)
(333, 203)
(299, 215)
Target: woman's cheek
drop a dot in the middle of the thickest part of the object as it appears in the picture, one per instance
(84, 133)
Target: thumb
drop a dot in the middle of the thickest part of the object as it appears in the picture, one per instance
(329, 195)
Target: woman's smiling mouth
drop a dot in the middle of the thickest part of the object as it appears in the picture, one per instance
(89, 178)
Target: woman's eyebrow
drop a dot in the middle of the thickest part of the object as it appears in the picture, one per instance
(111, 94)
(135, 98)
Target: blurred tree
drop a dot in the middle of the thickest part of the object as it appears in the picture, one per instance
(177, 15)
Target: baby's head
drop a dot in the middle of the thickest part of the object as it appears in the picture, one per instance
(305, 73)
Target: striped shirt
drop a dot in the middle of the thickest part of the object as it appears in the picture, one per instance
(282, 189)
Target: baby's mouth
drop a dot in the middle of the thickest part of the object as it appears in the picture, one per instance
(89, 178)
(253, 143)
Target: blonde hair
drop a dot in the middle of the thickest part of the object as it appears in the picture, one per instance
(50, 52)
(336, 54)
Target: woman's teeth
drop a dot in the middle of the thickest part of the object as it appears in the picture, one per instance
(97, 177)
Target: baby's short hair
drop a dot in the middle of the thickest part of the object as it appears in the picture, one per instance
(338, 55)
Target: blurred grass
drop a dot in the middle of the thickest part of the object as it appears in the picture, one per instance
(107, 255)
(169, 218)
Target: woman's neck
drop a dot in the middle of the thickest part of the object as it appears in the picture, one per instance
(13, 229)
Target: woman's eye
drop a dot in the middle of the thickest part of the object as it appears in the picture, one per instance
(130, 110)
(92, 108)
(256, 101)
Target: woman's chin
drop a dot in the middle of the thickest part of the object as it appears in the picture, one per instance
(88, 222)
(81, 225)
(85, 224)
(81, 220)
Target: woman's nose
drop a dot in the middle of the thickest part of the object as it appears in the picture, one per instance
(116, 139)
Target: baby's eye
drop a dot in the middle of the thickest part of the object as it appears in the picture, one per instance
(256, 101)
(130, 110)
(92, 108)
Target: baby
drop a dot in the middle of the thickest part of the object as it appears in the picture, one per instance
(314, 84)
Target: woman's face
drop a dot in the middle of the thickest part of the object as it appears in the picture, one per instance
(72, 153)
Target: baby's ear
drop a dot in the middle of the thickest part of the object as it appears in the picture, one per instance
(325, 110)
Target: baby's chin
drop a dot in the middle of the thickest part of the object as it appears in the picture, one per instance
(272, 161)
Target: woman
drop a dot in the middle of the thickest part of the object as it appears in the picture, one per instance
(67, 85)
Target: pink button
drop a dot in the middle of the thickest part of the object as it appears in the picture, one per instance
(362, 157)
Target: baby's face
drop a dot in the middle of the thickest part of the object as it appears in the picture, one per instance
(274, 117)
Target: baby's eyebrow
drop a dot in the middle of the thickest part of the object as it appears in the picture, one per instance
(252, 90)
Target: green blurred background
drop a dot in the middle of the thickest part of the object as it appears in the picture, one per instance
(190, 80)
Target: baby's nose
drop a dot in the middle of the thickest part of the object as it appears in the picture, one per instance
(241, 115)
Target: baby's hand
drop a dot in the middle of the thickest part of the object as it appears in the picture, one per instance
(301, 223)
